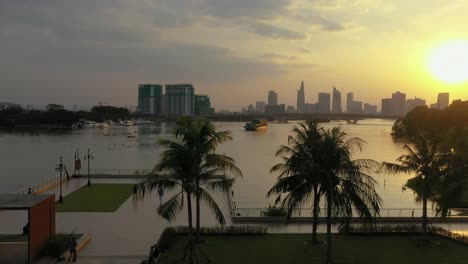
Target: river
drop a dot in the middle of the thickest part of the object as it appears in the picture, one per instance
(27, 158)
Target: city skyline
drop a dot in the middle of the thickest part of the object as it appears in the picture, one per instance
(59, 52)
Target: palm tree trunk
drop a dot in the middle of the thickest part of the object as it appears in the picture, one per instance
(424, 213)
(190, 227)
(329, 223)
(197, 201)
(315, 215)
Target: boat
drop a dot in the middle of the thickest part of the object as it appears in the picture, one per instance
(256, 124)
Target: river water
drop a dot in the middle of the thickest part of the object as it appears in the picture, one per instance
(27, 158)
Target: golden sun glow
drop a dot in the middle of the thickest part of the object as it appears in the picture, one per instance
(449, 62)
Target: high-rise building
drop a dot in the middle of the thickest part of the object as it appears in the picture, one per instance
(398, 103)
(150, 98)
(336, 104)
(413, 103)
(179, 99)
(260, 106)
(387, 107)
(323, 105)
(310, 108)
(355, 107)
(443, 100)
(275, 109)
(290, 109)
(349, 102)
(272, 98)
(203, 105)
(370, 109)
(301, 99)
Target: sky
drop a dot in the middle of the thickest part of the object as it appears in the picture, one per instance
(89, 51)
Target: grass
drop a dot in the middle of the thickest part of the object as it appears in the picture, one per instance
(96, 198)
(24, 238)
(291, 249)
(13, 238)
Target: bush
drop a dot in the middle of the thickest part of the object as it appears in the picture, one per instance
(167, 238)
(350, 229)
(54, 248)
(273, 211)
(227, 230)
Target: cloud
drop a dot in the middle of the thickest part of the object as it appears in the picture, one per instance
(275, 32)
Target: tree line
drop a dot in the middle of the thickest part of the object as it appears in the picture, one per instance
(56, 115)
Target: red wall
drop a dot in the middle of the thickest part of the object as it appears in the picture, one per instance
(42, 225)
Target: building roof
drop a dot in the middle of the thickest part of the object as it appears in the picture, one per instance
(20, 201)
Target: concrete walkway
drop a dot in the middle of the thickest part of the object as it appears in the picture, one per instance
(124, 236)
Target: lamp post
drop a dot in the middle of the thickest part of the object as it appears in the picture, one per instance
(89, 157)
(60, 168)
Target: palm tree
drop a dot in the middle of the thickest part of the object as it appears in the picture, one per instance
(427, 164)
(299, 172)
(319, 161)
(208, 167)
(345, 183)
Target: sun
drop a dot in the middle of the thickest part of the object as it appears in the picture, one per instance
(449, 62)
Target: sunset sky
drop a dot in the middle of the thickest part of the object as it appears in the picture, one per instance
(82, 52)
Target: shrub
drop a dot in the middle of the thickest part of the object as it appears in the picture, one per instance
(167, 238)
(227, 230)
(273, 211)
(54, 248)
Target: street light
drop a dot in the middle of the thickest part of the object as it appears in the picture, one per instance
(60, 168)
(89, 157)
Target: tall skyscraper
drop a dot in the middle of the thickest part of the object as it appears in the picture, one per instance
(398, 103)
(260, 106)
(301, 99)
(387, 109)
(272, 98)
(203, 105)
(323, 105)
(349, 102)
(150, 98)
(179, 99)
(443, 100)
(336, 104)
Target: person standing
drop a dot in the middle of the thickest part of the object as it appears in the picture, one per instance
(73, 245)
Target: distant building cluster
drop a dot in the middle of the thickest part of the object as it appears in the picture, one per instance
(327, 103)
(174, 99)
(398, 105)
(395, 106)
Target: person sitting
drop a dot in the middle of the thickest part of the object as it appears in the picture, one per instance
(26, 229)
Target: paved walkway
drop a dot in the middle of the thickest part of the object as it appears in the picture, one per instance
(124, 236)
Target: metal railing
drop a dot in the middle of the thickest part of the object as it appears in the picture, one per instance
(384, 212)
(115, 171)
(41, 186)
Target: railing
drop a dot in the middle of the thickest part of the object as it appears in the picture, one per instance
(384, 212)
(114, 172)
(41, 186)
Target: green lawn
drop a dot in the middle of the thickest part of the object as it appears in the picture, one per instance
(13, 238)
(291, 249)
(96, 198)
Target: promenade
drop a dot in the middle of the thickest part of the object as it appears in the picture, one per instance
(125, 236)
